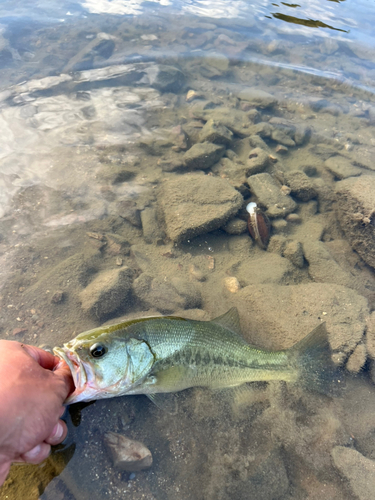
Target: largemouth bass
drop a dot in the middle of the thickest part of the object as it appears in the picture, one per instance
(168, 354)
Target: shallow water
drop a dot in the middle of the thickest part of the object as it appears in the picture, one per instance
(97, 113)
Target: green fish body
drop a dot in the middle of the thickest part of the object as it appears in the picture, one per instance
(168, 354)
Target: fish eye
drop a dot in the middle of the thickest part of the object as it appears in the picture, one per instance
(98, 350)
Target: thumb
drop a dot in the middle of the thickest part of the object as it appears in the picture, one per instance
(62, 372)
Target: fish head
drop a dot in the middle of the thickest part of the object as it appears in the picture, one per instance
(103, 365)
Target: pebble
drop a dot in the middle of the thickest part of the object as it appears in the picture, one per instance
(294, 252)
(191, 95)
(58, 297)
(232, 284)
(196, 273)
(295, 218)
(235, 226)
(127, 454)
(18, 331)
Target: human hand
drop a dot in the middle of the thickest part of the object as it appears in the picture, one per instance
(33, 386)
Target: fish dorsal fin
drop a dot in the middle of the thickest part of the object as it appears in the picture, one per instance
(230, 320)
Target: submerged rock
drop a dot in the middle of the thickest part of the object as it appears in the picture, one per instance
(269, 194)
(341, 167)
(277, 317)
(257, 97)
(167, 296)
(357, 469)
(203, 156)
(127, 454)
(196, 204)
(108, 291)
(302, 187)
(150, 227)
(356, 214)
(216, 133)
(165, 78)
(258, 161)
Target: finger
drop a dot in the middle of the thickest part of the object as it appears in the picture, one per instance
(63, 372)
(58, 434)
(44, 358)
(4, 469)
(37, 454)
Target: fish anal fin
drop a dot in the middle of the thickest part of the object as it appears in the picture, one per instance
(230, 320)
(166, 401)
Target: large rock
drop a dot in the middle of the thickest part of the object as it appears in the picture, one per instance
(356, 213)
(357, 469)
(196, 204)
(277, 317)
(108, 291)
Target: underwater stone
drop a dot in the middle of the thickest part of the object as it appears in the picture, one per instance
(235, 226)
(127, 454)
(294, 252)
(268, 193)
(151, 230)
(165, 78)
(357, 469)
(341, 167)
(357, 359)
(276, 317)
(215, 133)
(355, 212)
(232, 284)
(202, 156)
(257, 97)
(108, 291)
(281, 137)
(196, 204)
(167, 296)
(302, 187)
(258, 161)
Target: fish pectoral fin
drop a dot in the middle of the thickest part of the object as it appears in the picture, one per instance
(166, 401)
(230, 320)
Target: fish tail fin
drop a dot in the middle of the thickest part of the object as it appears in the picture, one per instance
(317, 371)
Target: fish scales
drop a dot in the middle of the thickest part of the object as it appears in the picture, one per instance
(210, 355)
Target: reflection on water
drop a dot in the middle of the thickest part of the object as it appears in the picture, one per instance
(126, 141)
(304, 22)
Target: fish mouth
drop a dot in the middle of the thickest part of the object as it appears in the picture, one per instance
(81, 374)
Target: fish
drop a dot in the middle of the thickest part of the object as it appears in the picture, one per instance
(167, 354)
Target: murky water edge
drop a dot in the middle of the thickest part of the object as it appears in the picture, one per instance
(103, 152)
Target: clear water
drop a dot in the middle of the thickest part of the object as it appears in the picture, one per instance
(90, 137)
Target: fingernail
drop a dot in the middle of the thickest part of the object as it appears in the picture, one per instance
(58, 431)
(33, 453)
